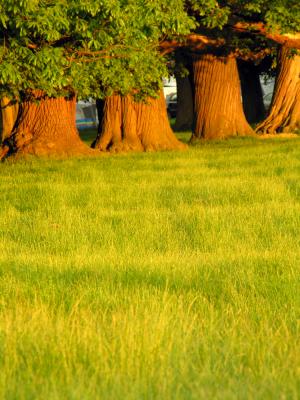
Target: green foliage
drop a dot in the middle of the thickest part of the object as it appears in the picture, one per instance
(98, 47)
(280, 15)
(90, 47)
(284, 15)
(212, 14)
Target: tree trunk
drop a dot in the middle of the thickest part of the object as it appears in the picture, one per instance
(45, 127)
(218, 105)
(133, 126)
(252, 93)
(9, 113)
(284, 114)
(185, 106)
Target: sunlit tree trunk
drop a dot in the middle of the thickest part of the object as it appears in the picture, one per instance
(218, 104)
(128, 125)
(9, 113)
(252, 92)
(284, 113)
(44, 127)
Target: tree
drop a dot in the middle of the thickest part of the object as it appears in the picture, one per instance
(218, 105)
(185, 95)
(252, 92)
(235, 29)
(280, 24)
(128, 125)
(55, 51)
(284, 115)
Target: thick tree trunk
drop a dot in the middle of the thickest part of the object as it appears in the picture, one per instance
(185, 104)
(9, 113)
(131, 126)
(252, 93)
(218, 105)
(45, 127)
(284, 114)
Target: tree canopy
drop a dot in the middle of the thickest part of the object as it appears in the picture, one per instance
(95, 48)
(92, 48)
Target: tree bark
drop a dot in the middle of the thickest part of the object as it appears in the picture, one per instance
(135, 126)
(252, 93)
(185, 105)
(284, 113)
(45, 127)
(218, 105)
(9, 113)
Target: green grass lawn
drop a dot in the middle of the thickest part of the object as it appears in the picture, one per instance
(152, 276)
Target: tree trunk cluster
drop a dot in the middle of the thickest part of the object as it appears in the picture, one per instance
(128, 125)
(218, 100)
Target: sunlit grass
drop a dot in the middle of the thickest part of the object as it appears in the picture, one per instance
(152, 276)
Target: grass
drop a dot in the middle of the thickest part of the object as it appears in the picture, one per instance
(152, 276)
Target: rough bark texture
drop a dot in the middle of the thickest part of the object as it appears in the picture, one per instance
(185, 104)
(218, 106)
(284, 114)
(131, 126)
(9, 113)
(45, 127)
(252, 93)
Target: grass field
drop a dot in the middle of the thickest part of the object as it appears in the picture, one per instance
(152, 276)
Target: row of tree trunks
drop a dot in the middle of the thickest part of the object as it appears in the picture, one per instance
(218, 105)
(284, 115)
(217, 93)
(45, 126)
(252, 96)
(128, 125)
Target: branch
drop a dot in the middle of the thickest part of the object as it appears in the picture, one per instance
(193, 41)
(251, 55)
(286, 39)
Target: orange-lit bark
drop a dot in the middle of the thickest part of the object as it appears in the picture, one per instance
(45, 127)
(284, 114)
(218, 105)
(134, 126)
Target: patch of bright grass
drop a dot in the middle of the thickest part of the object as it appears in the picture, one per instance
(152, 276)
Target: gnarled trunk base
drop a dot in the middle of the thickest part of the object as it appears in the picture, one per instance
(45, 127)
(131, 126)
(219, 112)
(284, 115)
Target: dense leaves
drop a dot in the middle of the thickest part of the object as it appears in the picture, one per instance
(89, 47)
(96, 47)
